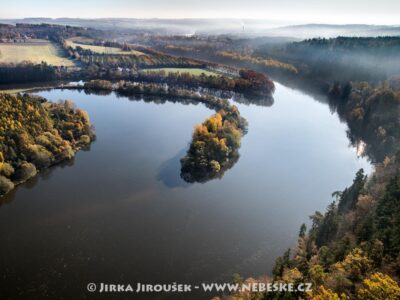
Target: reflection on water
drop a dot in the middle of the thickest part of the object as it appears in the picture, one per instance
(121, 214)
(44, 175)
(259, 101)
(191, 175)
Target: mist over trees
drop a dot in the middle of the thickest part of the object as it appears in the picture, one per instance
(341, 58)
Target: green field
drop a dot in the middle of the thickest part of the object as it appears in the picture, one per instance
(35, 52)
(192, 71)
(74, 42)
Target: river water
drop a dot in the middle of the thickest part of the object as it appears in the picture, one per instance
(120, 213)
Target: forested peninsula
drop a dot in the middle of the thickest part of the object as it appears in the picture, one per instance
(215, 142)
(36, 134)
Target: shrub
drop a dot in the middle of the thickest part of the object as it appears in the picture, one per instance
(6, 185)
(26, 171)
(6, 169)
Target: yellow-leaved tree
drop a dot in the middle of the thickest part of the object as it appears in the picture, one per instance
(379, 286)
(322, 293)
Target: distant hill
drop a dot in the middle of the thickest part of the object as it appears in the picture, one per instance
(328, 30)
(219, 26)
(161, 26)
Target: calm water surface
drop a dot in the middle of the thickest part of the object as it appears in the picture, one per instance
(120, 212)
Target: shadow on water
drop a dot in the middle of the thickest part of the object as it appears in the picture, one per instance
(169, 172)
(44, 175)
(192, 174)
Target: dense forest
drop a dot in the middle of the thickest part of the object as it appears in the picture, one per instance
(56, 33)
(372, 114)
(35, 134)
(350, 250)
(28, 73)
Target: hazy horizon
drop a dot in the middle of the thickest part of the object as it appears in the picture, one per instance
(284, 12)
(205, 19)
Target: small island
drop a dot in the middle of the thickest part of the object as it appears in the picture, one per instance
(214, 147)
(36, 134)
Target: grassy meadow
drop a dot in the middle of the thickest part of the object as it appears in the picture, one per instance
(35, 52)
(81, 42)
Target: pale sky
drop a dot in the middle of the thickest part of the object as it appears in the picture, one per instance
(291, 11)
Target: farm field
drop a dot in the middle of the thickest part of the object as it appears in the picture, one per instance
(192, 71)
(74, 42)
(13, 91)
(24, 88)
(35, 52)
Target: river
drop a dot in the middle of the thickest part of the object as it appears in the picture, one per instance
(120, 213)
